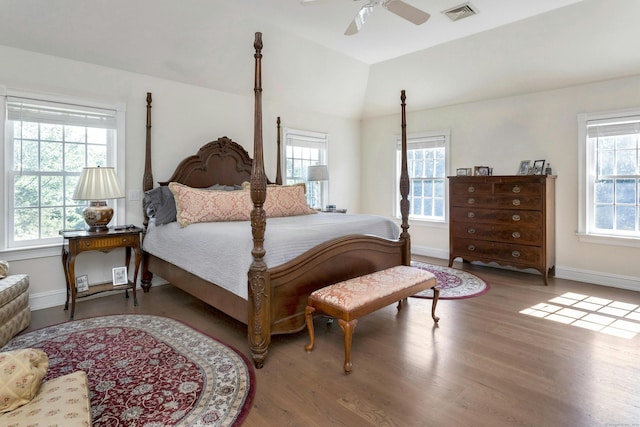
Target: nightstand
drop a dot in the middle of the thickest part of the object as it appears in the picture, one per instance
(78, 241)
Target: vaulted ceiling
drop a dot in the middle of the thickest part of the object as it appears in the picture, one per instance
(509, 46)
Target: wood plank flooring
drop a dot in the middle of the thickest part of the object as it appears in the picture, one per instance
(485, 364)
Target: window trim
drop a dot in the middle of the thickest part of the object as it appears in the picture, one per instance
(397, 141)
(48, 249)
(586, 163)
(314, 138)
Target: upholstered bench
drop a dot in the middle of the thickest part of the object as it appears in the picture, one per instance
(15, 313)
(351, 299)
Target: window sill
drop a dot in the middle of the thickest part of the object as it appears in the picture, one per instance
(631, 242)
(19, 254)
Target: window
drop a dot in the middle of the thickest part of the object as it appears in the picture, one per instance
(610, 174)
(47, 142)
(304, 149)
(428, 166)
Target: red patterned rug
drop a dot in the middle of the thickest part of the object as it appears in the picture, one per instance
(149, 370)
(453, 283)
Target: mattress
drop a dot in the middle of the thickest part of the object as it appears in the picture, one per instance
(220, 252)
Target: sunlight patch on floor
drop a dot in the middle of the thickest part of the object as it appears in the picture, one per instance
(616, 318)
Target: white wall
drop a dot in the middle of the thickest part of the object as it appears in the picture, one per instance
(500, 133)
(184, 117)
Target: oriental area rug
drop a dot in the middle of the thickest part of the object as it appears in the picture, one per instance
(149, 371)
(453, 283)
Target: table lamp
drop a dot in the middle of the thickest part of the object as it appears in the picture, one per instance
(97, 184)
(317, 173)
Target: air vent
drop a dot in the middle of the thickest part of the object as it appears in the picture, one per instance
(461, 11)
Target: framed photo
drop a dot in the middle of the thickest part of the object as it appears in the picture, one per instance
(524, 167)
(538, 167)
(120, 276)
(463, 171)
(82, 283)
(481, 170)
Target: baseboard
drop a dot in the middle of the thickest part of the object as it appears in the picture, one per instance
(598, 278)
(593, 277)
(43, 300)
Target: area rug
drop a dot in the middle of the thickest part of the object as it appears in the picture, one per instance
(149, 371)
(453, 283)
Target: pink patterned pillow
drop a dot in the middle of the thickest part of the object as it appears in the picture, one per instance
(286, 200)
(197, 205)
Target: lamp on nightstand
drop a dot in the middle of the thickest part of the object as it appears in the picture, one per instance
(317, 173)
(97, 184)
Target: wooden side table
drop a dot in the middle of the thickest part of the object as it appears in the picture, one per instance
(80, 241)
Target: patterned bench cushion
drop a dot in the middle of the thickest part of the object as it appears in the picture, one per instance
(355, 293)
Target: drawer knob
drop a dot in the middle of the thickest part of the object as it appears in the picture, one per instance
(516, 189)
(515, 254)
(471, 248)
(471, 201)
(515, 217)
(125, 240)
(471, 230)
(515, 235)
(471, 215)
(471, 189)
(516, 202)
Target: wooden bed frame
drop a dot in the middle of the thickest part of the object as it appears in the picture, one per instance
(277, 296)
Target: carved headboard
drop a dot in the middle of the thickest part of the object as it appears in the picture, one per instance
(222, 161)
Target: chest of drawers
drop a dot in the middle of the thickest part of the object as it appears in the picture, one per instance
(508, 220)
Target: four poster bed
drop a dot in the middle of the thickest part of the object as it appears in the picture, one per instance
(273, 286)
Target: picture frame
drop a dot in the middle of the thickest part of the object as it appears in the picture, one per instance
(120, 276)
(463, 171)
(82, 283)
(538, 167)
(481, 171)
(523, 169)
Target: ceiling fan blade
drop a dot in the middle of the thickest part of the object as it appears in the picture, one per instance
(406, 11)
(359, 20)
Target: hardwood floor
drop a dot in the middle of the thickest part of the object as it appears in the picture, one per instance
(486, 364)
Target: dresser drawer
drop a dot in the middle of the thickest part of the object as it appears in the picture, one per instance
(499, 252)
(492, 216)
(110, 242)
(498, 201)
(519, 233)
(468, 188)
(519, 188)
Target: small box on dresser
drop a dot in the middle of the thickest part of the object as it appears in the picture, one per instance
(509, 220)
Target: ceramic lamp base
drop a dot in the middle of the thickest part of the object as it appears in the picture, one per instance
(97, 215)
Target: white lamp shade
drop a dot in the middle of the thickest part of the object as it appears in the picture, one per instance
(98, 183)
(318, 173)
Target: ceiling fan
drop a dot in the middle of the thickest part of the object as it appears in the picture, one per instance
(398, 7)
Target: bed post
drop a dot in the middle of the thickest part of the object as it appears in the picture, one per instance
(259, 324)
(147, 184)
(278, 168)
(404, 187)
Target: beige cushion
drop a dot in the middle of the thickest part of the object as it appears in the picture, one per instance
(21, 372)
(62, 401)
(286, 200)
(196, 205)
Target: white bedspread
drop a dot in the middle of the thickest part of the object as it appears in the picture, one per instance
(220, 252)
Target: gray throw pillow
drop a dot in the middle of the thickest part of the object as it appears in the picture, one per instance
(160, 204)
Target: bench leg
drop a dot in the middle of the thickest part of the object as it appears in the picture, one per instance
(436, 295)
(308, 317)
(347, 330)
